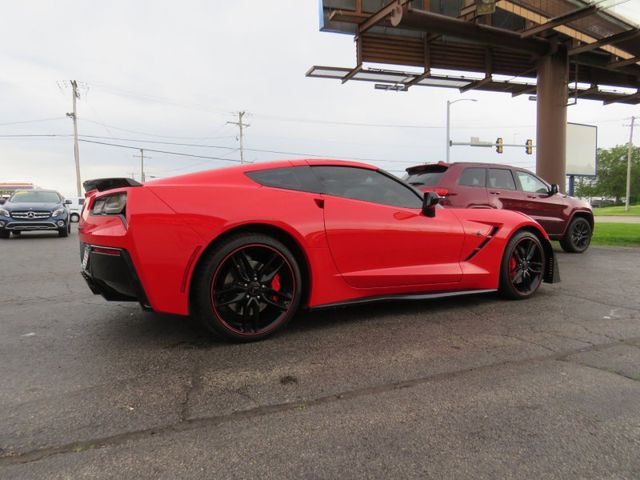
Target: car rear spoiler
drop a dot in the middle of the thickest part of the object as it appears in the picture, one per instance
(102, 184)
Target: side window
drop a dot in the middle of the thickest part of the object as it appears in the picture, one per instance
(530, 183)
(366, 185)
(473, 177)
(501, 178)
(290, 178)
(81, 201)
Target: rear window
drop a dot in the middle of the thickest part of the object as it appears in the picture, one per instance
(473, 177)
(426, 178)
(290, 178)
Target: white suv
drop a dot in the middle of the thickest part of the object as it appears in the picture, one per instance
(75, 208)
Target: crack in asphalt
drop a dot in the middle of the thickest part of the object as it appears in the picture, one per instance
(187, 423)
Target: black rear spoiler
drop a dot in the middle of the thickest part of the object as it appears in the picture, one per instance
(102, 184)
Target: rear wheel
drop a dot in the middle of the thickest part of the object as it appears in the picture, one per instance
(248, 288)
(522, 266)
(75, 217)
(578, 236)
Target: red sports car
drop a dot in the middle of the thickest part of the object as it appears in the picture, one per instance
(244, 248)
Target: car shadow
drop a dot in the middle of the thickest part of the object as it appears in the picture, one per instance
(186, 333)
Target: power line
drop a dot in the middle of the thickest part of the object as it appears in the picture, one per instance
(152, 134)
(160, 151)
(31, 121)
(157, 142)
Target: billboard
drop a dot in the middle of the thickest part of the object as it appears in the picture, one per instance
(582, 150)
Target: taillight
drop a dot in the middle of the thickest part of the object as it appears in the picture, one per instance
(110, 204)
(442, 192)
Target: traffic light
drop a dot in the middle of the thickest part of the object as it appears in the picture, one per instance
(529, 147)
(499, 145)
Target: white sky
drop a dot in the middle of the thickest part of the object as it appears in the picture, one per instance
(179, 69)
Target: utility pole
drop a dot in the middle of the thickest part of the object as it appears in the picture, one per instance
(76, 150)
(628, 199)
(141, 157)
(449, 103)
(241, 125)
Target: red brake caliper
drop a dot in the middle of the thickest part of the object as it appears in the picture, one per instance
(275, 284)
(512, 265)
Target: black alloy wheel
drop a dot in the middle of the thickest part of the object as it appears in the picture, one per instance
(522, 269)
(578, 236)
(253, 288)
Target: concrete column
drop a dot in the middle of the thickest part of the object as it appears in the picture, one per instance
(553, 74)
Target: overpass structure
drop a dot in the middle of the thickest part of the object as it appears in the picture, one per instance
(559, 50)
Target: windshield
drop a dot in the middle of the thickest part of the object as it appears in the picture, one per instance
(35, 197)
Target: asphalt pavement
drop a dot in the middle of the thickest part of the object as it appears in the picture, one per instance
(473, 387)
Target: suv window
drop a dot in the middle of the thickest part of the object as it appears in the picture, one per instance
(531, 183)
(366, 185)
(501, 178)
(473, 177)
(290, 178)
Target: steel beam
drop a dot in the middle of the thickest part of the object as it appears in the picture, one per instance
(391, 9)
(476, 84)
(620, 37)
(626, 99)
(487, 35)
(623, 63)
(561, 20)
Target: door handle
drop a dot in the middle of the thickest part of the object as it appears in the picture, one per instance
(494, 193)
(531, 196)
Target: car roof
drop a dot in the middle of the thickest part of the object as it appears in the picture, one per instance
(229, 173)
(426, 166)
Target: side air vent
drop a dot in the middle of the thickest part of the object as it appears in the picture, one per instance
(486, 240)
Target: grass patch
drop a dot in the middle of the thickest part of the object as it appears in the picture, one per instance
(618, 234)
(633, 210)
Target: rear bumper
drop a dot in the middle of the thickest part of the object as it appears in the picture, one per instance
(110, 272)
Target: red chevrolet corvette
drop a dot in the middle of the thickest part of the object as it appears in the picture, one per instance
(244, 248)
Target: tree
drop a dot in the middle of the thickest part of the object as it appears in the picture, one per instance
(611, 177)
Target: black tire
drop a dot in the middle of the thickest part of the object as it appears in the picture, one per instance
(16, 233)
(63, 232)
(5, 234)
(522, 267)
(578, 236)
(75, 218)
(235, 291)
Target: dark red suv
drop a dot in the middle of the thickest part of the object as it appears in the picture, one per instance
(487, 185)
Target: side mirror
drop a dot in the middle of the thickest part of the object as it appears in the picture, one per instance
(554, 189)
(68, 202)
(429, 202)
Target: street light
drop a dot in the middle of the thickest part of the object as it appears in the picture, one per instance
(449, 103)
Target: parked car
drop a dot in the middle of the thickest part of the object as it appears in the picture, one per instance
(243, 248)
(30, 210)
(75, 208)
(480, 185)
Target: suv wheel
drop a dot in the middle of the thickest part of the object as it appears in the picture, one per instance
(75, 218)
(578, 236)
(5, 234)
(64, 232)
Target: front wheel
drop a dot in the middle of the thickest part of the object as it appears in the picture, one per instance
(578, 236)
(75, 218)
(63, 232)
(248, 288)
(522, 266)
(5, 234)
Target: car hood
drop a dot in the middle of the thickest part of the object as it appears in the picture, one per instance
(31, 206)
